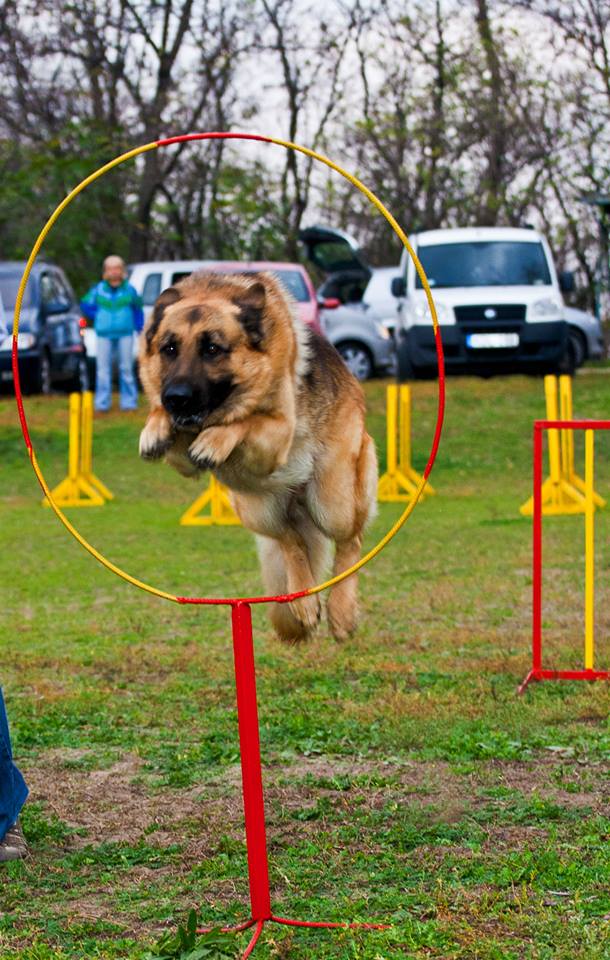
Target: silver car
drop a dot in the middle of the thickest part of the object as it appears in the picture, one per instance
(357, 307)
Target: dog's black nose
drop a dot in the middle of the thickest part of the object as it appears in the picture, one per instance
(181, 399)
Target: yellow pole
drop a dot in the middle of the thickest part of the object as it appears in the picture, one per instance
(73, 439)
(550, 390)
(392, 404)
(404, 429)
(589, 549)
(86, 456)
(567, 436)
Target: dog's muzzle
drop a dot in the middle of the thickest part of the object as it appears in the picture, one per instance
(183, 402)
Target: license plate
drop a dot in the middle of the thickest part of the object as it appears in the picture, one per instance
(6, 375)
(492, 340)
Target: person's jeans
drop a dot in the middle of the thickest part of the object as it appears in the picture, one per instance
(128, 391)
(13, 790)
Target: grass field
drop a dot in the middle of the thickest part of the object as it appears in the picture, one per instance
(405, 781)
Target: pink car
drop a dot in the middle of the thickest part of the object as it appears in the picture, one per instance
(149, 279)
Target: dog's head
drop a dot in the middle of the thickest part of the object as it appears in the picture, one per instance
(210, 344)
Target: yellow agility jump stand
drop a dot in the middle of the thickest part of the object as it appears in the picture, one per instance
(400, 482)
(215, 498)
(81, 488)
(563, 491)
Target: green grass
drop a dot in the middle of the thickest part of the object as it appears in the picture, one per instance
(404, 780)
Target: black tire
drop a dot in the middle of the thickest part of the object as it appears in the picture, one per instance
(356, 358)
(406, 370)
(566, 364)
(81, 380)
(577, 347)
(40, 380)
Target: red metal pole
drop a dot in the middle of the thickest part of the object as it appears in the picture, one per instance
(537, 554)
(249, 742)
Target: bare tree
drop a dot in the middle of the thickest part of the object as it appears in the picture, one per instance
(306, 52)
(138, 69)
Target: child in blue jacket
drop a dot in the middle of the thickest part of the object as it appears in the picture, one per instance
(116, 311)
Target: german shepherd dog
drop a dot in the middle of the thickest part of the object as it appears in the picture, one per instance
(239, 386)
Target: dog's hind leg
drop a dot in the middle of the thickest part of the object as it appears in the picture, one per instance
(275, 580)
(346, 499)
(342, 607)
(294, 563)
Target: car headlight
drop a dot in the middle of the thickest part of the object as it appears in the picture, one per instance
(421, 312)
(25, 341)
(544, 309)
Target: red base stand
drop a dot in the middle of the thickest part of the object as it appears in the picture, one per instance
(540, 674)
(254, 808)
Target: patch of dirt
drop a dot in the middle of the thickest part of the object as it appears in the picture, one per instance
(116, 805)
(113, 805)
(549, 778)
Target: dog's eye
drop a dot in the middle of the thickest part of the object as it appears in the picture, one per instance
(210, 349)
(169, 349)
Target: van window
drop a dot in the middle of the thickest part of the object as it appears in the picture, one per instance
(495, 263)
(152, 289)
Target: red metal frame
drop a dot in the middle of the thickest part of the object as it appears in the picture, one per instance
(538, 672)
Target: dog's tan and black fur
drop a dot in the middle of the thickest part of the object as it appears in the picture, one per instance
(238, 385)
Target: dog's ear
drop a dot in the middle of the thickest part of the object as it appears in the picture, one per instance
(251, 304)
(169, 296)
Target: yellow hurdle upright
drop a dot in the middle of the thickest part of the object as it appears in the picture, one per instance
(216, 499)
(563, 491)
(81, 488)
(400, 481)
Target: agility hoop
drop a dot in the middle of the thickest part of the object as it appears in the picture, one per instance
(149, 588)
(241, 614)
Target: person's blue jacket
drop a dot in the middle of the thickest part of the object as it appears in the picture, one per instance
(115, 311)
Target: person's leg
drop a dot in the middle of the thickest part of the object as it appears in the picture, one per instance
(13, 793)
(127, 380)
(103, 374)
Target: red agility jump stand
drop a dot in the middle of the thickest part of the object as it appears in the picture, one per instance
(538, 672)
(252, 783)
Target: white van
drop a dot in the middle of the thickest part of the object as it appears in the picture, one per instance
(498, 300)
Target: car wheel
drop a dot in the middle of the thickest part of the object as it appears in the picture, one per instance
(81, 379)
(91, 371)
(356, 358)
(406, 370)
(577, 347)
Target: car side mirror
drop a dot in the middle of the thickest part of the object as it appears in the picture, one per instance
(329, 303)
(567, 283)
(55, 306)
(399, 287)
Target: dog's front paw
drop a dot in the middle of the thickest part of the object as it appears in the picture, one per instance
(156, 437)
(212, 447)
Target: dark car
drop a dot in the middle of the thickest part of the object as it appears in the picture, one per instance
(51, 349)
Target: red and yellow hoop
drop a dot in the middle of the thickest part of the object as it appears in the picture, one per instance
(441, 373)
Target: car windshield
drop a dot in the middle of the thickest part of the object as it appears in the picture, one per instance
(9, 285)
(484, 264)
(293, 282)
